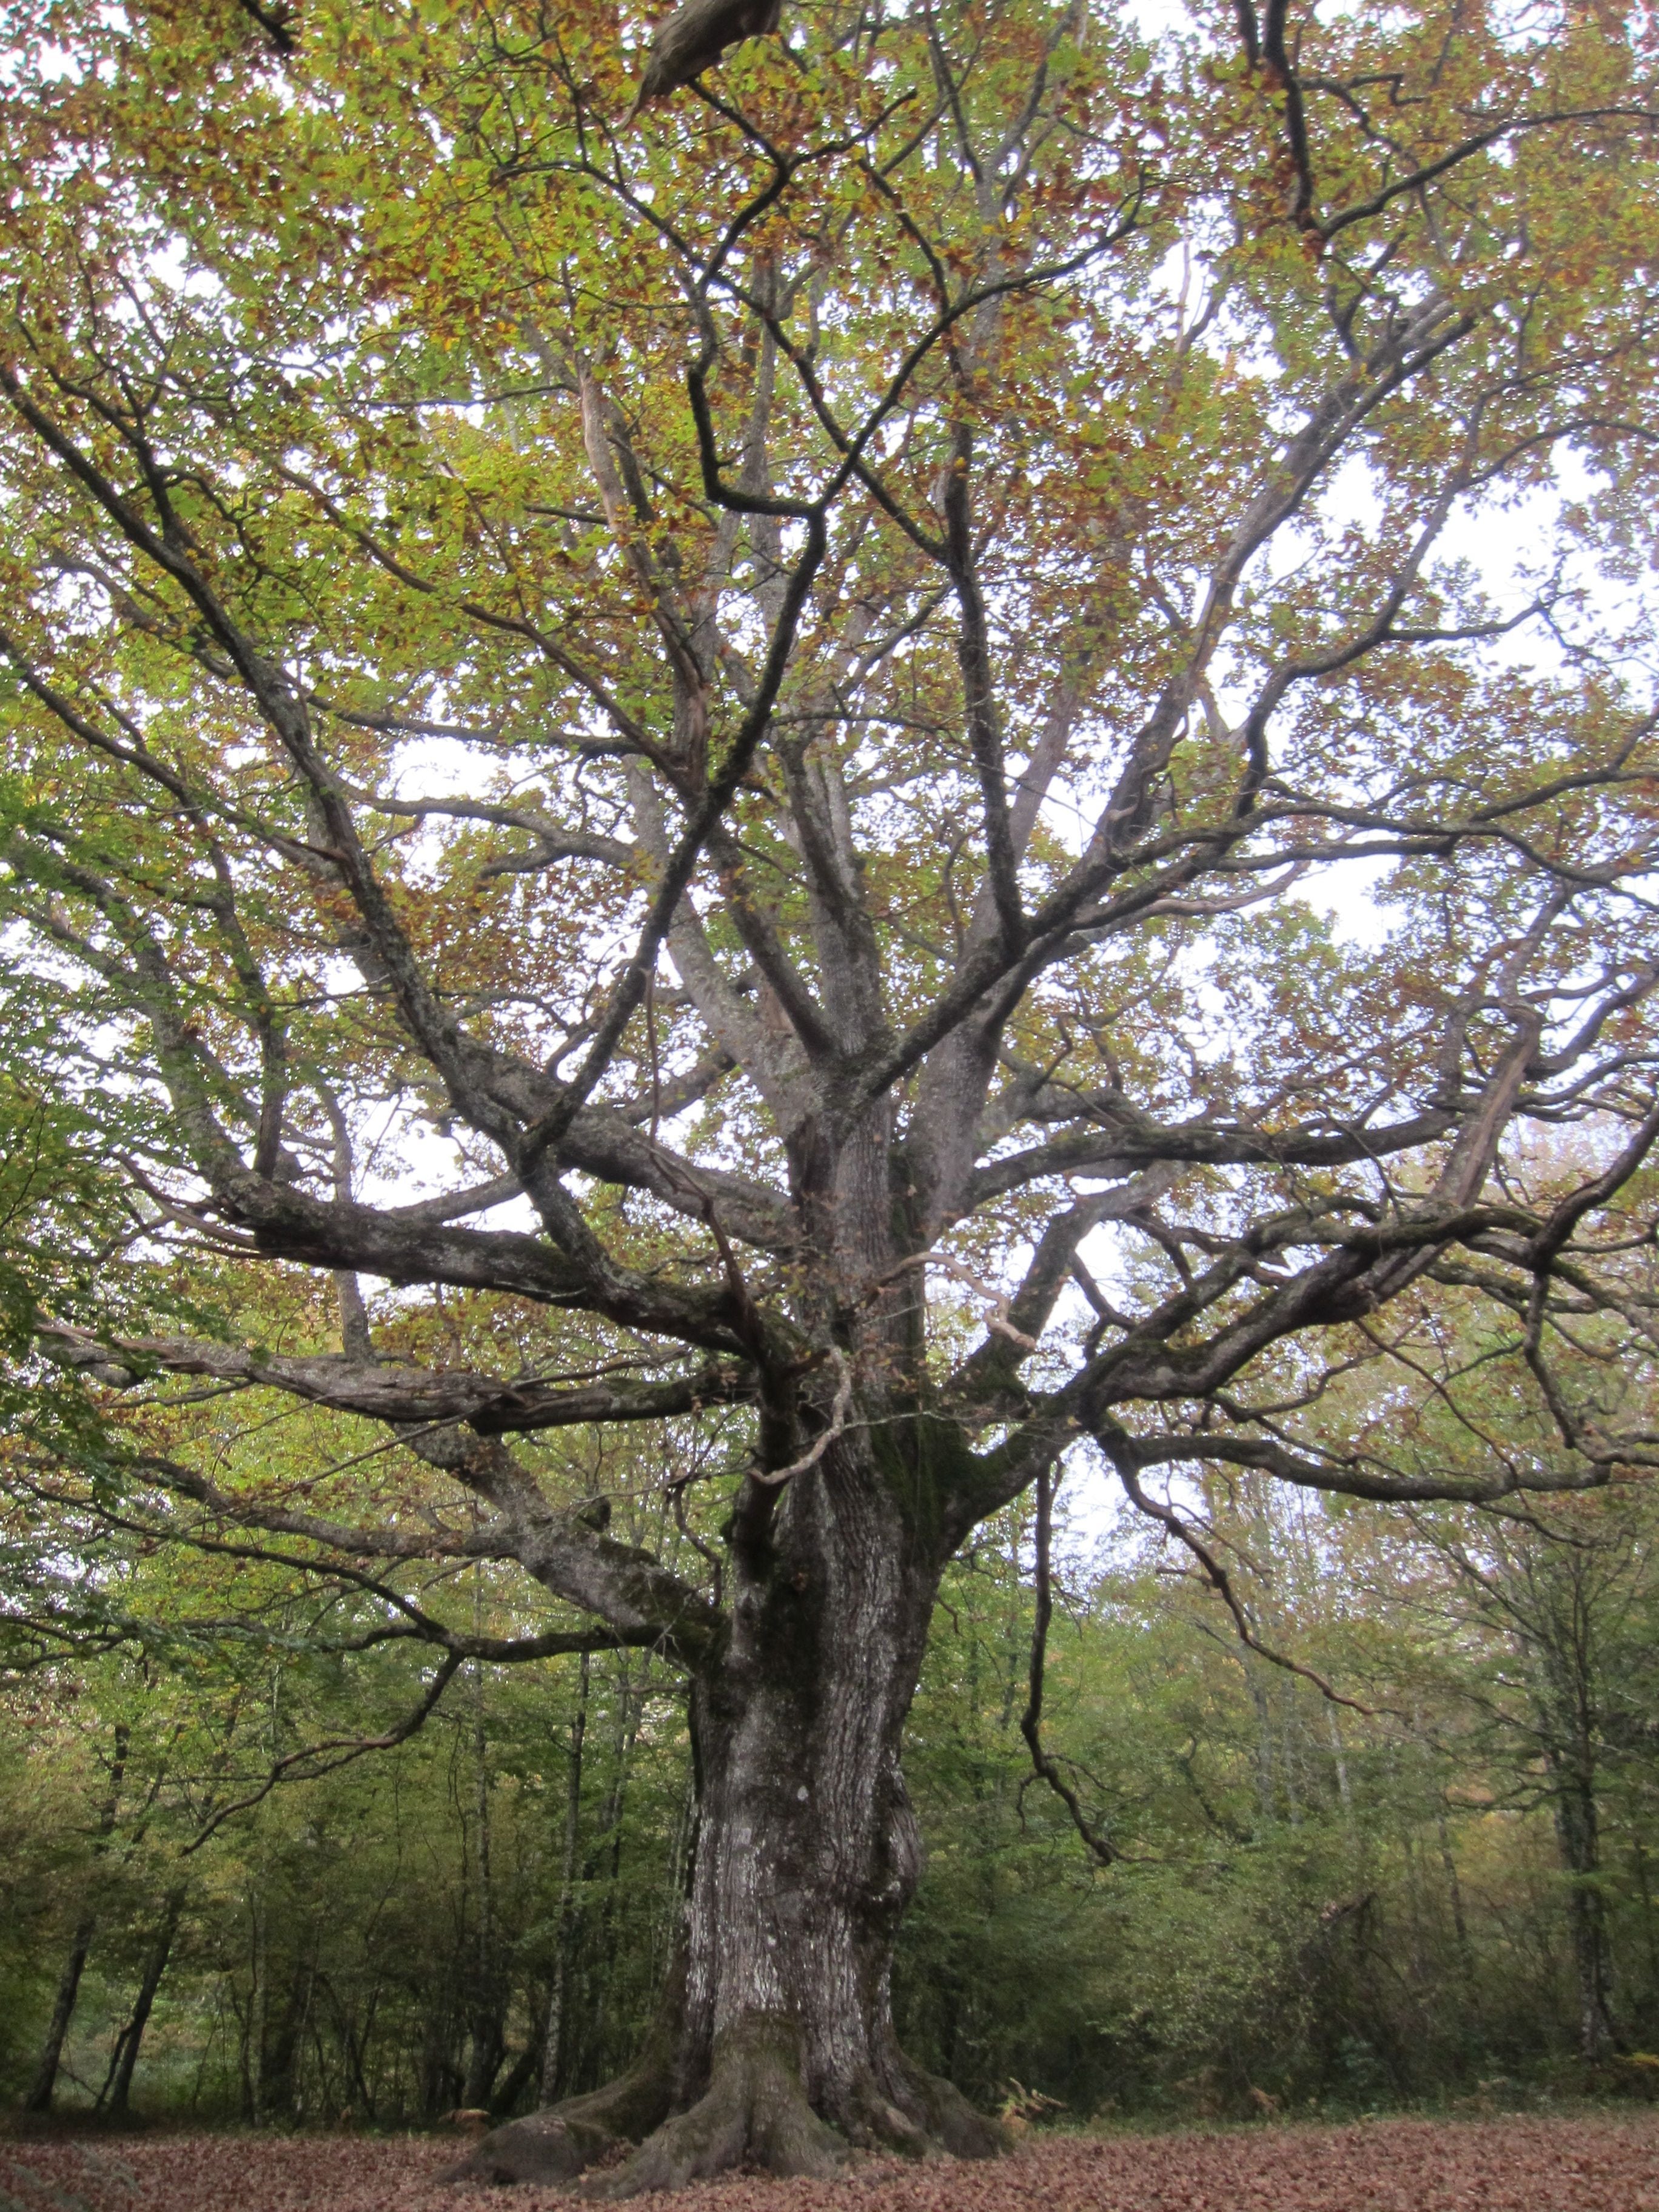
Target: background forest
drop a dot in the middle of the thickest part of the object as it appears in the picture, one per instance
(1443, 1886)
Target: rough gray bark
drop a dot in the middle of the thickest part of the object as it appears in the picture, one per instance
(694, 37)
(780, 2044)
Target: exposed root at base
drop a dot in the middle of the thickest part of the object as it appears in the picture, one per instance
(562, 2140)
(754, 2111)
(946, 2116)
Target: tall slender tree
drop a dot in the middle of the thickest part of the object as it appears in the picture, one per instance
(730, 729)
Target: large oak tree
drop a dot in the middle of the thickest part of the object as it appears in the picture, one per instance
(740, 729)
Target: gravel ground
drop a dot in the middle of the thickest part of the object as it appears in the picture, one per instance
(1516, 2165)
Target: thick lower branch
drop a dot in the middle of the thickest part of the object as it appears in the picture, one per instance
(385, 1390)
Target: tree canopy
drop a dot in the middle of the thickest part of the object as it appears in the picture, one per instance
(936, 760)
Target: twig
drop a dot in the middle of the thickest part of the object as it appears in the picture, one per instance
(771, 1477)
(1217, 1577)
(1030, 1721)
(347, 1747)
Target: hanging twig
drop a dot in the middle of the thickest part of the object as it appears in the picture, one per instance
(771, 1477)
(998, 1303)
(1030, 1721)
(333, 1752)
(1217, 1577)
(717, 1566)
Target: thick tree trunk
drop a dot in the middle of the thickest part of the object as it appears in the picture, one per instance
(119, 2086)
(44, 2083)
(1577, 1827)
(278, 2045)
(553, 2047)
(486, 2010)
(776, 2042)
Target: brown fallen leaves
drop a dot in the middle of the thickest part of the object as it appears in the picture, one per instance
(1521, 2164)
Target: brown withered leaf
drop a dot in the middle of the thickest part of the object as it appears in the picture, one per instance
(1599, 2164)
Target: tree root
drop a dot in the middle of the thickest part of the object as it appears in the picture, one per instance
(946, 2116)
(754, 2111)
(916, 2114)
(558, 2142)
(871, 2120)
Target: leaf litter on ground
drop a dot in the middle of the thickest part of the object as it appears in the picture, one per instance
(1516, 2164)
